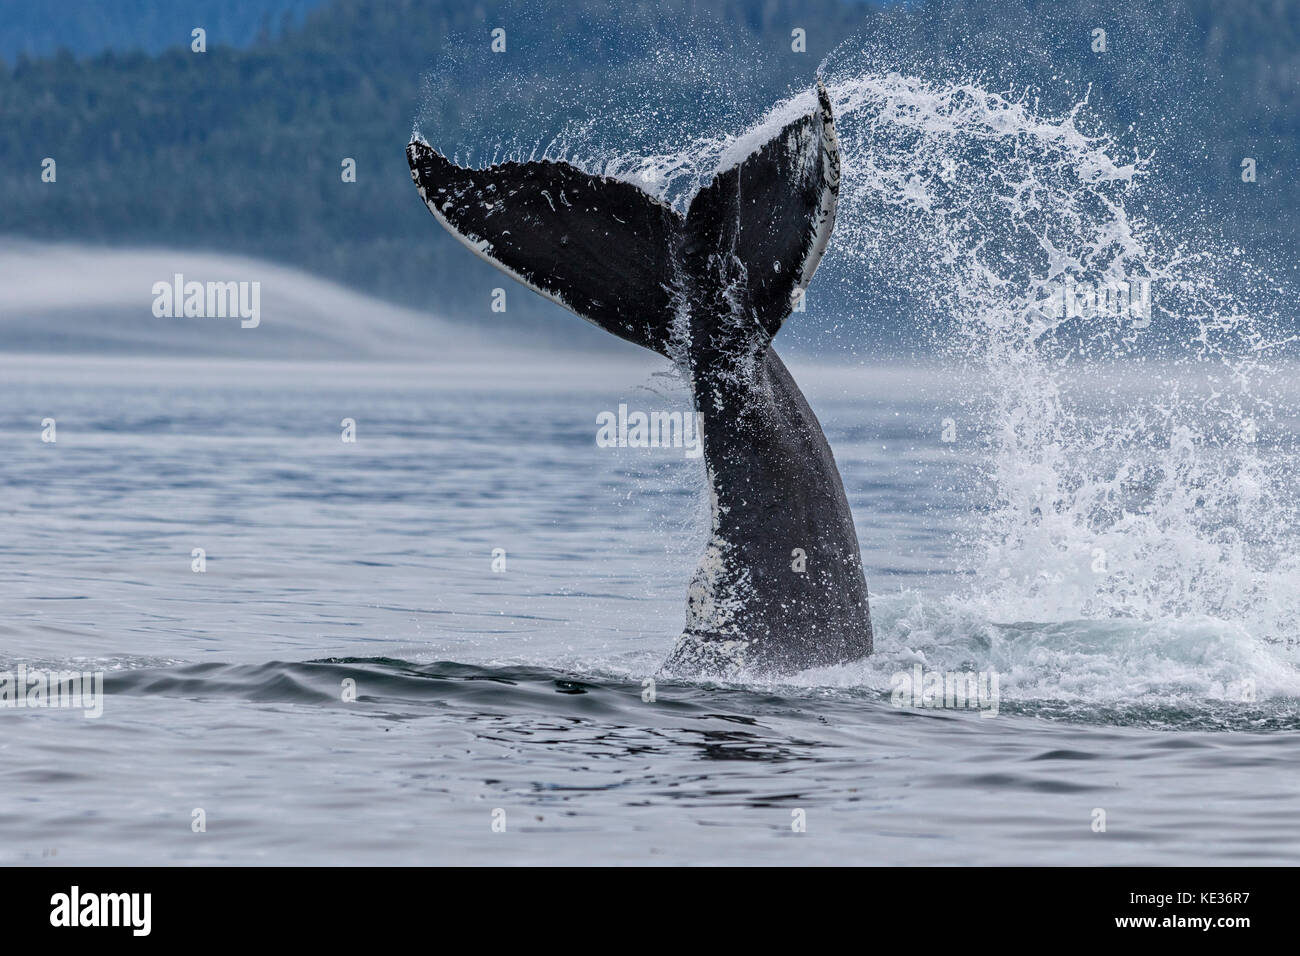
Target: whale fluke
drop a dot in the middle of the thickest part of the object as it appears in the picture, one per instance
(600, 247)
(766, 218)
(781, 586)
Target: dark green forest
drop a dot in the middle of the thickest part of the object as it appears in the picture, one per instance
(239, 149)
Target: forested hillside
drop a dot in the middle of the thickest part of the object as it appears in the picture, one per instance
(241, 149)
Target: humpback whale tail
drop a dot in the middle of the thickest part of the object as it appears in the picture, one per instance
(781, 585)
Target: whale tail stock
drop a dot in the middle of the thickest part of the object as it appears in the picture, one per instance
(613, 254)
(781, 586)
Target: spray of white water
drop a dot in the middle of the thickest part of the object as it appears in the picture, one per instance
(1137, 531)
(1140, 536)
(1165, 508)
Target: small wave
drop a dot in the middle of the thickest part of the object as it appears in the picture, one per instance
(1096, 676)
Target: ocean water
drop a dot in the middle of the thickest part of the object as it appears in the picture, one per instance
(439, 643)
(503, 716)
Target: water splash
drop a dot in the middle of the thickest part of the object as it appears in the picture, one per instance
(1141, 460)
(1140, 445)
(1142, 466)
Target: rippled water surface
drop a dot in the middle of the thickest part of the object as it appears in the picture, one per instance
(520, 697)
